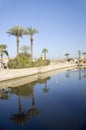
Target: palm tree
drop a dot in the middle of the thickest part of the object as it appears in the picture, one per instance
(79, 56)
(17, 31)
(84, 53)
(3, 51)
(45, 51)
(79, 53)
(24, 49)
(67, 54)
(31, 31)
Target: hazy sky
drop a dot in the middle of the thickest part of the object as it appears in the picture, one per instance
(61, 25)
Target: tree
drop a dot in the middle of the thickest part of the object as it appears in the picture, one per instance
(45, 51)
(84, 53)
(31, 31)
(17, 31)
(67, 54)
(79, 53)
(24, 49)
(79, 57)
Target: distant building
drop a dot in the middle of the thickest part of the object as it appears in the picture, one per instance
(42, 56)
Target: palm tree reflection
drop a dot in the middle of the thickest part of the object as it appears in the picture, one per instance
(23, 117)
(80, 76)
(84, 72)
(45, 89)
(79, 73)
(33, 111)
(67, 74)
(44, 81)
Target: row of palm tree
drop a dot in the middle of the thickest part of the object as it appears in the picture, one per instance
(18, 32)
(79, 55)
(25, 49)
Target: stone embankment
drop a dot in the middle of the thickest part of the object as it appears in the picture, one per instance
(7, 74)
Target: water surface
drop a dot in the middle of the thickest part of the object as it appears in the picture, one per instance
(54, 103)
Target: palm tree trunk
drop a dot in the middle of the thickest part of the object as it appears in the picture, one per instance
(45, 56)
(67, 58)
(2, 60)
(17, 40)
(31, 40)
(19, 103)
(79, 53)
(84, 58)
(33, 99)
(80, 74)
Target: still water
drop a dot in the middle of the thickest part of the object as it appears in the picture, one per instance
(55, 103)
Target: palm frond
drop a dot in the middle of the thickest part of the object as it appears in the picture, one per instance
(6, 52)
(17, 31)
(32, 31)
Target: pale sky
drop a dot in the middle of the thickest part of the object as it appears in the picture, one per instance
(61, 25)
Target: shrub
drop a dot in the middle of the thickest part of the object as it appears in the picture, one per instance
(20, 62)
(25, 62)
(41, 62)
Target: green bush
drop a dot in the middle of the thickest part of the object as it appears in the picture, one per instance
(25, 62)
(41, 62)
(20, 62)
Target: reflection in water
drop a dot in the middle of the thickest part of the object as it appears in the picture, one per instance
(84, 72)
(68, 74)
(80, 76)
(44, 81)
(63, 105)
(33, 111)
(81, 73)
(21, 118)
(45, 89)
(4, 94)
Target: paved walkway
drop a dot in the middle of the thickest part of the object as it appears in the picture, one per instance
(6, 74)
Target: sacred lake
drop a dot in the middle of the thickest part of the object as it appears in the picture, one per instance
(55, 102)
